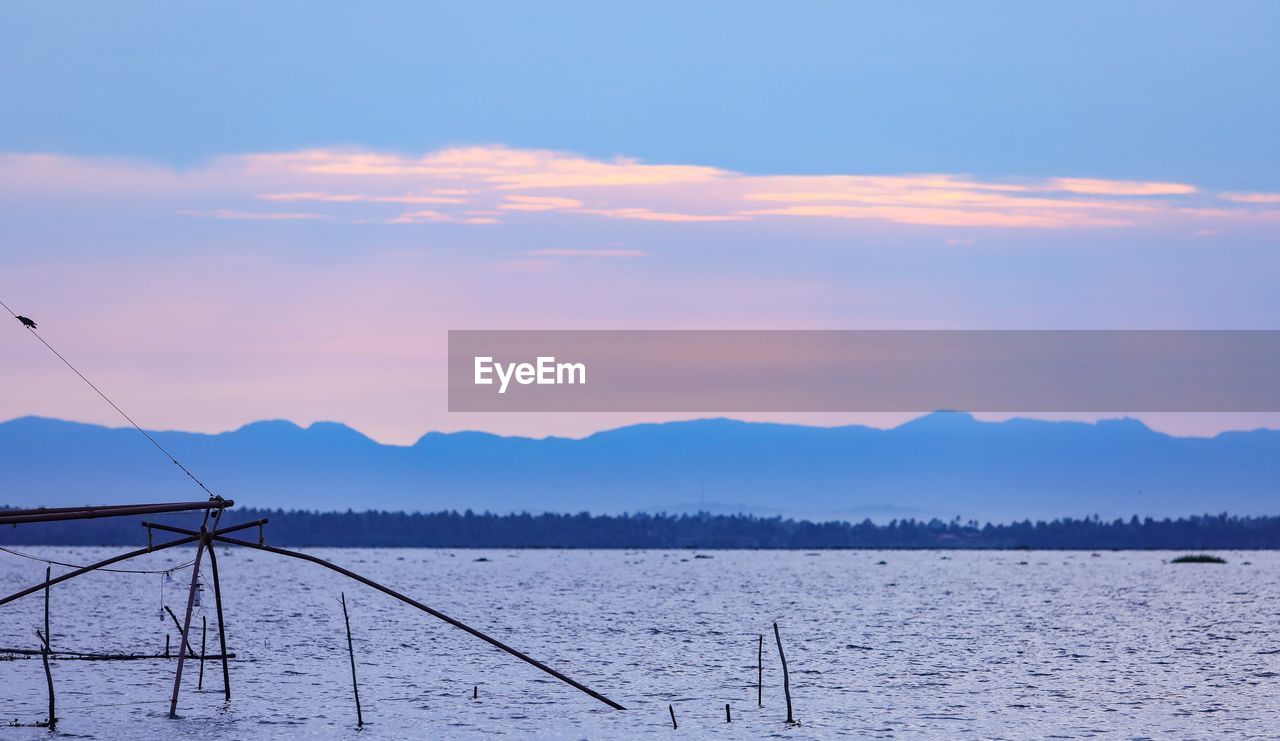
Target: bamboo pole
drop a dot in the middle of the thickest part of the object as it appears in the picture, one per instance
(24, 516)
(91, 656)
(48, 634)
(760, 672)
(434, 613)
(48, 678)
(671, 709)
(186, 622)
(204, 634)
(351, 651)
(786, 678)
(222, 632)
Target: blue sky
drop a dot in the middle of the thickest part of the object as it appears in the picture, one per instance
(1141, 90)
(232, 211)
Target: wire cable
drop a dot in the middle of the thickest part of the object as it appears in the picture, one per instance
(33, 557)
(107, 399)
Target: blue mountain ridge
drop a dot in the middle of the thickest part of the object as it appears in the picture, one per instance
(943, 464)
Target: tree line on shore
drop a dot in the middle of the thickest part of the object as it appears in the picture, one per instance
(469, 529)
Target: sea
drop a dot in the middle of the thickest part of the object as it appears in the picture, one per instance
(878, 644)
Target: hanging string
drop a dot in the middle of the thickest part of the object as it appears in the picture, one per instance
(33, 557)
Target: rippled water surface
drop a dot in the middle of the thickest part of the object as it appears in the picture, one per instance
(915, 644)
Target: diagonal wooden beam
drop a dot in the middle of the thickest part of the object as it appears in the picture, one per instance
(434, 613)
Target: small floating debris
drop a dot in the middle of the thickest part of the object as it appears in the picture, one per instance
(703, 555)
(1198, 558)
(882, 563)
(482, 559)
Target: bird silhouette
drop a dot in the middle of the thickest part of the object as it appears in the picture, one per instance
(27, 322)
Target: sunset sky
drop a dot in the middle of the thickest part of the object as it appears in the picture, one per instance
(278, 212)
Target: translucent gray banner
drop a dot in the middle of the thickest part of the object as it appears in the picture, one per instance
(863, 371)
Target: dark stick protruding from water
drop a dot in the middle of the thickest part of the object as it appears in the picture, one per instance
(204, 635)
(166, 644)
(475, 692)
(351, 651)
(48, 678)
(786, 679)
(727, 717)
(178, 625)
(671, 709)
(760, 672)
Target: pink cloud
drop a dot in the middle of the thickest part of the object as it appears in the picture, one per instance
(1258, 198)
(1119, 187)
(492, 184)
(539, 203)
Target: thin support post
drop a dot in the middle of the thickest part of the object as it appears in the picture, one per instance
(186, 622)
(351, 651)
(671, 709)
(48, 634)
(222, 633)
(786, 678)
(204, 634)
(222, 630)
(48, 678)
(727, 717)
(760, 672)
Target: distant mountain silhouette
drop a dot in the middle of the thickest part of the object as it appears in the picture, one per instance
(943, 464)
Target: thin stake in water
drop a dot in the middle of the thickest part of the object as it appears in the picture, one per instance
(48, 678)
(786, 679)
(351, 651)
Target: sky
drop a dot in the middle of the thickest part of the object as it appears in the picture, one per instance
(226, 212)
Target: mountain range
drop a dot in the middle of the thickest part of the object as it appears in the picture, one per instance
(945, 464)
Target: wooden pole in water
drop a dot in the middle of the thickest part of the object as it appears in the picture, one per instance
(186, 621)
(204, 634)
(166, 644)
(672, 710)
(475, 692)
(727, 718)
(222, 633)
(48, 678)
(786, 679)
(351, 651)
(760, 672)
(48, 634)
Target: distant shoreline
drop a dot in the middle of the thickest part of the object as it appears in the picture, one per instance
(451, 529)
